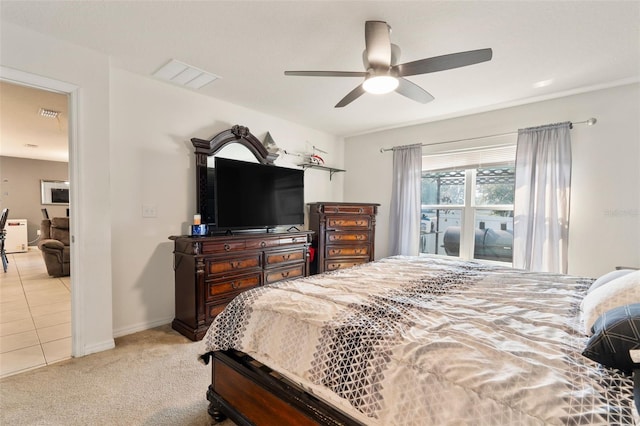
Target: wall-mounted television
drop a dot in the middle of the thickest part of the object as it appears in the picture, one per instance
(59, 195)
(254, 196)
(54, 191)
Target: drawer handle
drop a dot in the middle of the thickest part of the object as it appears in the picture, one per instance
(361, 237)
(235, 265)
(286, 257)
(235, 284)
(285, 274)
(263, 244)
(227, 247)
(361, 223)
(360, 210)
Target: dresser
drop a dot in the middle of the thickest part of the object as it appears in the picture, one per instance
(210, 271)
(344, 234)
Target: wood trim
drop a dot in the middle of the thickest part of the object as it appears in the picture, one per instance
(250, 393)
(236, 134)
(206, 148)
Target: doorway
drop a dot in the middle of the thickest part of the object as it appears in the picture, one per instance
(69, 92)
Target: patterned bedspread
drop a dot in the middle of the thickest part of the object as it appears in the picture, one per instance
(431, 341)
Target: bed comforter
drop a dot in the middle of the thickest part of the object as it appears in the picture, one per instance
(432, 341)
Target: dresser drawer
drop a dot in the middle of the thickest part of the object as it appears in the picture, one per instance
(348, 222)
(347, 236)
(348, 209)
(274, 275)
(224, 288)
(347, 251)
(343, 264)
(280, 257)
(236, 264)
(261, 244)
(209, 247)
(296, 240)
(213, 309)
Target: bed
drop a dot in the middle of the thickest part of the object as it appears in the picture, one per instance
(413, 341)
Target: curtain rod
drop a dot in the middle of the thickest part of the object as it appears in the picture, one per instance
(589, 122)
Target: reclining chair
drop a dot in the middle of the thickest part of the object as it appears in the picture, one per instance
(55, 247)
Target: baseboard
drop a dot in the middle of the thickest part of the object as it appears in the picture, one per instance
(110, 344)
(99, 347)
(141, 327)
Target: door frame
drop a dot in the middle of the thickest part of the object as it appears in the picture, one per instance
(45, 83)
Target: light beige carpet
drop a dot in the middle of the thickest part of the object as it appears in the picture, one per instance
(150, 378)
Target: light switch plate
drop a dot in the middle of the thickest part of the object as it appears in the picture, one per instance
(149, 210)
(635, 355)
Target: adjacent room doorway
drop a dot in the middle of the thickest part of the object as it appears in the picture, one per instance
(15, 77)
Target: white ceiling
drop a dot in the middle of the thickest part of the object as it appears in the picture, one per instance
(577, 45)
(24, 133)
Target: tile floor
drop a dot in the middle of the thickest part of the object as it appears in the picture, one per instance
(35, 315)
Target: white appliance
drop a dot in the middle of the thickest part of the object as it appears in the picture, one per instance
(16, 238)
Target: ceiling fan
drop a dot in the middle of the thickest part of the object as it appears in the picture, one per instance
(383, 74)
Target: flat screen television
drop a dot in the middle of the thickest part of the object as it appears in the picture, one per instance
(254, 196)
(60, 195)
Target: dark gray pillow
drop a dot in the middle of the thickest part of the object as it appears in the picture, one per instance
(614, 333)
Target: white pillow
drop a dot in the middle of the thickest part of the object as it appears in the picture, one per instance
(609, 276)
(622, 291)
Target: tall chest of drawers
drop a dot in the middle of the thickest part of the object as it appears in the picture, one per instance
(344, 234)
(210, 271)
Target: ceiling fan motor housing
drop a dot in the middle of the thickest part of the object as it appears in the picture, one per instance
(384, 74)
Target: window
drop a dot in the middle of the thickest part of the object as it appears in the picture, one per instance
(468, 212)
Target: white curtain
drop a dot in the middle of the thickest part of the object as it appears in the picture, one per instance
(404, 218)
(541, 205)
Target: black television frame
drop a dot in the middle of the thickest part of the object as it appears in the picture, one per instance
(257, 196)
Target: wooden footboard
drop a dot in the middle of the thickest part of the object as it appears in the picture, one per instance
(250, 393)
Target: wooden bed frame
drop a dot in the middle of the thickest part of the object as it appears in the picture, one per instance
(250, 393)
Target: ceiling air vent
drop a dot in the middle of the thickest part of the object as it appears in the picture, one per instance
(184, 75)
(48, 113)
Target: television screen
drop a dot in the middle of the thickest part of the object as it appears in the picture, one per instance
(251, 195)
(59, 195)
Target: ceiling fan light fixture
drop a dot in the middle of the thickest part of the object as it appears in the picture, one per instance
(380, 84)
(383, 73)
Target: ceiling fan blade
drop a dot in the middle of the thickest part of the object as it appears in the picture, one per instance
(327, 73)
(444, 62)
(378, 44)
(413, 91)
(351, 96)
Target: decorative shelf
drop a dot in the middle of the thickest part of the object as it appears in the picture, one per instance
(331, 170)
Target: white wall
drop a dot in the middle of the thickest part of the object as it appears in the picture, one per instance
(133, 149)
(605, 199)
(33, 53)
(152, 159)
